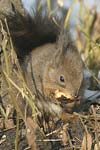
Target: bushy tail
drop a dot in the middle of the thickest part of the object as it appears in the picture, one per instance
(28, 33)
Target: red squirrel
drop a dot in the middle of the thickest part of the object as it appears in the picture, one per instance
(57, 73)
(50, 61)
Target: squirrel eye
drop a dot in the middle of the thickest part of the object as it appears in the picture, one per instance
(62, 78)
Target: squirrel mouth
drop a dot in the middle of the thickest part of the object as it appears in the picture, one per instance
(65, 100)
(62, 98)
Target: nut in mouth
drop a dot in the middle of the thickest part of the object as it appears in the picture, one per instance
(64, 99)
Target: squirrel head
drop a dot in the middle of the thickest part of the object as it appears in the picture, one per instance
(63, 76)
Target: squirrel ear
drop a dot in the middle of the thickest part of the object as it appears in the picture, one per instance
(61, 46)
(58, 57)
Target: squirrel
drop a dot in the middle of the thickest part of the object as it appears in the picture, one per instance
(51, 64)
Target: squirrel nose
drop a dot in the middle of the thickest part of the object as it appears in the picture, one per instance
(75, 95)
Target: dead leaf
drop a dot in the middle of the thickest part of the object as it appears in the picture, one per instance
(31, 137)
(97, 147)
(64, 135)
(87, 142)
